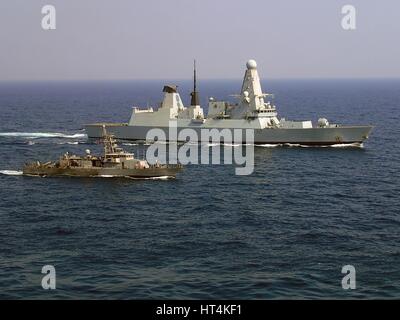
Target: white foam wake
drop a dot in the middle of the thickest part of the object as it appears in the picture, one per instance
(348, 145)
(11, 172)
(211, 144)
(75, 142)
(231, 145)
(267, 145)
(297, 145)
(130, 144)
(338, 145)
(134, 178)
(152, 178)
(42, 135)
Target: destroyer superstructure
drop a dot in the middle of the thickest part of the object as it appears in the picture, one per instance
(254, 110)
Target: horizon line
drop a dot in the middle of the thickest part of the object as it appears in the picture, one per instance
(199, 79)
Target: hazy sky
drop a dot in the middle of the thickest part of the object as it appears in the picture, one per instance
(130, 39)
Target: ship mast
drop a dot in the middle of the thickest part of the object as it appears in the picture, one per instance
(195, 95)
(109, 142)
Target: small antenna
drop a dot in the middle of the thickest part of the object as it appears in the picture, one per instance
(194, 75)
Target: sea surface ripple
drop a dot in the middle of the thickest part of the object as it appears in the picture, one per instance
(285, 231)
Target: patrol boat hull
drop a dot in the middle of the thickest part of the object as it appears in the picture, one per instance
(101, 172)
(304, 136)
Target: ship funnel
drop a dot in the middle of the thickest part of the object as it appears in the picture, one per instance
(195, 95)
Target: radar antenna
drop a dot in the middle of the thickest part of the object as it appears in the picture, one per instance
(195, 95)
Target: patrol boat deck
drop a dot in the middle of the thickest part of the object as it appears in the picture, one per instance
(114, 163)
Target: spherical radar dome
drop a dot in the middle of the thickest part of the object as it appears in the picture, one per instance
(251, 64)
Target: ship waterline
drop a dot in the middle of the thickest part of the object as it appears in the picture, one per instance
(103, 172)
(309, 136)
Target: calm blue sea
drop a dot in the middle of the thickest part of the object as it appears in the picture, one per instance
(285, 231)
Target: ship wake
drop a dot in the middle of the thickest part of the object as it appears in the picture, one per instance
(33, 135)
(264, 145)
(20, 173)
(11, 172)
(152, 178)
(298, 145)
(136, 178)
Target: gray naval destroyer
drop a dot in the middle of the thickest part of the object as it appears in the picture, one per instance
(254, 110)
(114, 163)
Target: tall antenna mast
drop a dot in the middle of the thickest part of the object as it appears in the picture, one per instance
(194, 75)
(195, 95)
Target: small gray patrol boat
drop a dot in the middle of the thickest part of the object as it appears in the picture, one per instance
(115, 163)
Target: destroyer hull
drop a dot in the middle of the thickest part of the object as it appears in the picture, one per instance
(101, 172)
(305, 136)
